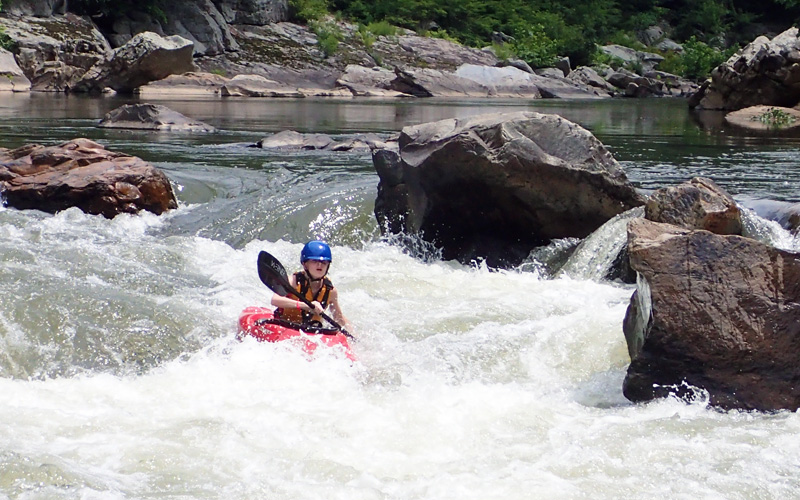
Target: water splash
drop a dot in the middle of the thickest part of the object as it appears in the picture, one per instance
(595, 256)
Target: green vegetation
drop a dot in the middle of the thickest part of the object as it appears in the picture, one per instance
(538, 31)
(6, 42)
(697, 59)
(545, 29)
(306, 11)
(328, 36)
(775, 118)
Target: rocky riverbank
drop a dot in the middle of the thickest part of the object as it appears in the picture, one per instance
(247, 48)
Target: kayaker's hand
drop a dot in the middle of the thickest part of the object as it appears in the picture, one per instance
(318, 309)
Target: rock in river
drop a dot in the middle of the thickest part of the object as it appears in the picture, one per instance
(82, 173)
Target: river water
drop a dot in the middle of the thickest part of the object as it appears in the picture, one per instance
(121, 377)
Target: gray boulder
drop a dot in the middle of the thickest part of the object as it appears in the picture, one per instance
(11, 76)
(368, 82)
(589, 76)
(204, 22)
(255, 12)
(765, 72)
(55, 53)
(296, 140)
(38, 8)
(512, 82)
(646, 60)
(290, 139)
(495, 186)
(257, 86)
(186, 84)
(147, 57)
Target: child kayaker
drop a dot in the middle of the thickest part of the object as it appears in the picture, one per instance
(313, 284)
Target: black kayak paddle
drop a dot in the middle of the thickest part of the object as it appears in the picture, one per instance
(273, 274)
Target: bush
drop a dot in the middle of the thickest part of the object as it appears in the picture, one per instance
(306, 11)
(328, 36)
(444, 35)
(503, 51)
(699, 58)
(534, 47)
(382, 28)
(776, 118)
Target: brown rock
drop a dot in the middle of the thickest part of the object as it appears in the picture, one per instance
(697, 204)
(83, 174)
(717, 313)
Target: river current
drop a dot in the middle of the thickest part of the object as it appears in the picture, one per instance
(121, 376)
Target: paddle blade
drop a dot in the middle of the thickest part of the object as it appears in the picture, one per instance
(273, 274)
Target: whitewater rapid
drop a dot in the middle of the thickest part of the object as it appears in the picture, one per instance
(470, 384)
(121, 376)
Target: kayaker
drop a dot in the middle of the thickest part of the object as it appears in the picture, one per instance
(312, 282)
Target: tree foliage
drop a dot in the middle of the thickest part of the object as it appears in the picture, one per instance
(573, 27)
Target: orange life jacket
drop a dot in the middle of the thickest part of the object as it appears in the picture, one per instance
(304, 287)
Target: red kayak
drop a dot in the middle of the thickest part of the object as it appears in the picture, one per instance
(260, 323)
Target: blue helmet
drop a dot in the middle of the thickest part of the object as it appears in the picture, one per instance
(315, 250)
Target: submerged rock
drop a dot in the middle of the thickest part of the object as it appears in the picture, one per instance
(767, 118)
(82, 173)
(152, 117)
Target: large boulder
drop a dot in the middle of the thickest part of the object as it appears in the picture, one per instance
(257, 86)
(145, 58)
(368, 82)
(203, 22)
(495, 186)
(55, 52)
(765, 72)
(81, 173)
(256, 12)
(637, 58)
(713, 313)
(186, 84)
(11, 76)
(152, 117)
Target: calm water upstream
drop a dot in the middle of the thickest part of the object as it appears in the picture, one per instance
(121, 377)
